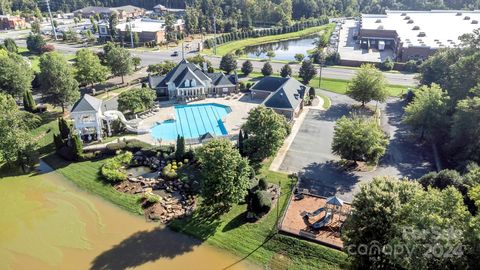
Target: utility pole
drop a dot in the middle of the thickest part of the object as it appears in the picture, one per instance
(320, 71)
(214, 35)
(131, 32)
(51, 19)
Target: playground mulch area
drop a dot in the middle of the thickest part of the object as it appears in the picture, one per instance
(296, 223)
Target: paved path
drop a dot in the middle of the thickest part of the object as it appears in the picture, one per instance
(310, 152)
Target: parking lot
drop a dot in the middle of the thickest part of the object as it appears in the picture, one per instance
(350, 50)
(310, 153)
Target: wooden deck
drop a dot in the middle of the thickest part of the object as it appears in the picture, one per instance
(295, 222)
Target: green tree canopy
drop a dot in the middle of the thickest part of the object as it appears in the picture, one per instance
(15, 75)
(265, 131)
(377, 211)
(307, 71)
(247, 68)
(57, 80)
(228, 63)
(286, 71)
(367, 85)
(161, 69)
(17, 144)
(120, 62)
(10, 45)
(225, 174)
(267, 69)
(35, 43)
(427, 113)
(136, 100)
(359, 139)
(465, 131)
(89, 69)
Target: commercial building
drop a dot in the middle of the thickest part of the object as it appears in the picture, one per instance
(8, 22)
(147, 29)
(161, 9)
(123, 12)
(415, 35)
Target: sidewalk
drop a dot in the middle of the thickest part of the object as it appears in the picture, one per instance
(277, 162)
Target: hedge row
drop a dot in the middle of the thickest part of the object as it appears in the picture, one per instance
(239, 35)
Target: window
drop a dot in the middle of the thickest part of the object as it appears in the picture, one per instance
(187, 83)
(194, 83)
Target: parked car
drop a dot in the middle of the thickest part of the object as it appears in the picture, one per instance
(175, 53)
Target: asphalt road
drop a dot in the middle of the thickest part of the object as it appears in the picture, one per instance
(149, 57)
(310, 153)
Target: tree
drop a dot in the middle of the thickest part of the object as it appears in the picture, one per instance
(161, 69)
(57, 80)
(136, 100)
(299, 57)
(241, 144)
(432, 220)
(64, 128)
(35, 27)
(77, 147)
(89, 68)
(465, 131)
(120, 62)
(427, 112)
(387, 64)
(17, 144)
(359, 139)
(228, 63)
(267, 69)
(112, 25)
(266, 131)
(136, 62)
(379, 204)
(35, 43)
(28, 102)
(225, 174)
(286, 71)
(247, 68)
(311, 93)
(10, 45)
(180, 149)
(367, 85)
(15, 75)
(307, 71)
(270, 55)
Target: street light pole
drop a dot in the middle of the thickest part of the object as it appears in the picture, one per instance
(214, 35)
(320, 75)
(51, 20)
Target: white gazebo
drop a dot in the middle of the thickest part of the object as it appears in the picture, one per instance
(88, 118)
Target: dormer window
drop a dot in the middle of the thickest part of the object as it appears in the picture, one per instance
(187, 83)
(194, 83)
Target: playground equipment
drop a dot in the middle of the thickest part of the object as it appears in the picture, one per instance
(131, 125)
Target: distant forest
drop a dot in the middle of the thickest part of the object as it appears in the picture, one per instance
(233, 13)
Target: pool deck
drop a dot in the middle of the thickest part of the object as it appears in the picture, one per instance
(240, 104)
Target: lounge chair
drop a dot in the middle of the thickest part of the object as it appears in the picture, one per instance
(315, 213)
(323, 222)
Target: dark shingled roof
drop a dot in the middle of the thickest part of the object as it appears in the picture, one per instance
(87, 104)
(219, 79)
(270, 84)
(288, 96)
(178, 73)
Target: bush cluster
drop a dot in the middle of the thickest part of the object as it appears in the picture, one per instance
(261, 202)
(112, 169)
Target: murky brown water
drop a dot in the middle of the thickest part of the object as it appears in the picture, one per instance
(47, 223)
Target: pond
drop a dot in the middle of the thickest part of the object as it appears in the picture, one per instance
(47, 223)
(284, 50)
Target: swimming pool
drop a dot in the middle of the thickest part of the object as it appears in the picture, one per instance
(193, 121)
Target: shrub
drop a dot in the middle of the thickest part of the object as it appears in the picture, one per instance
(411, 66)
(47, 48)
(262, 184)
(185, 161)
(111, 170)
(134, 145)
(150, 198)
(116, 146)
(332, 59)
(267, 69)
(261, 202)
(387, 64)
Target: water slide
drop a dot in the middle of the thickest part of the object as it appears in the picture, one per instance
(131, 125)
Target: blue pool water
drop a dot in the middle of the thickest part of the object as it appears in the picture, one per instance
(193, 121)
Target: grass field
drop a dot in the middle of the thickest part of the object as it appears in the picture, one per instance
(326, 101)
(259, 241)
(240, 44)
(35, 59)
(336, 85)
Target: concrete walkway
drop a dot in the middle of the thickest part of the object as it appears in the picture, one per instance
(275, 166)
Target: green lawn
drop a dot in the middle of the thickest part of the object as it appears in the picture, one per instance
(35, 59)
(259, 241)
(326, 101)
(240, 44)
(336, 85)
(340, 86)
